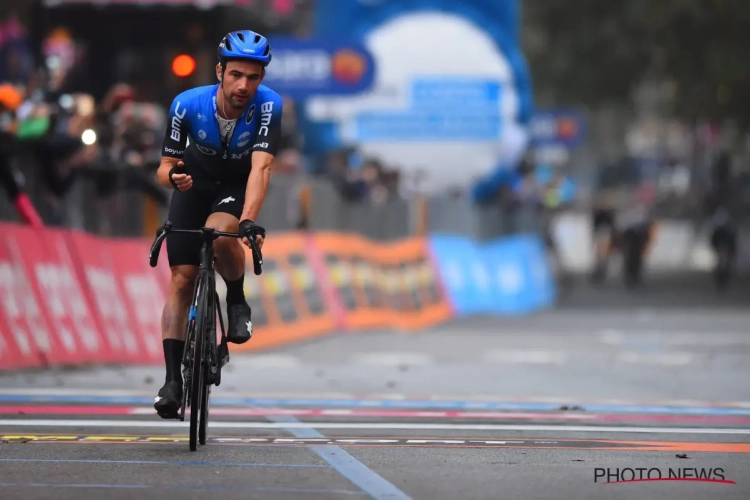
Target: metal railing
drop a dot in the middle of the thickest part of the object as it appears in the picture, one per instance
(293, 202)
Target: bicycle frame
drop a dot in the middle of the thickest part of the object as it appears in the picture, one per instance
(201, 363)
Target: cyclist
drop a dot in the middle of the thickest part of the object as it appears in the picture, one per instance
(218, 151)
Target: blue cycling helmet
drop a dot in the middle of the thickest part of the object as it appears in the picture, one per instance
(245, 44)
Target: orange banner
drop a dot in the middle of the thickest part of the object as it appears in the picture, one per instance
(383, 285)
(288, 304)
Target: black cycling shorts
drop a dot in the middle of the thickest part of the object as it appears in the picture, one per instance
(190, 209)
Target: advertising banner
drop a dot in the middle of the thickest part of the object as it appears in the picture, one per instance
(70, 298)
(451, 78)
(354, 277)
(383, 285)
(505, 277)
(319, 67)
(95, 268)
(24, 333)
(554, 133)
(63, 294)
(412, 289)
(47, 319)
(287, 300)
(464, 272)
(143, 296)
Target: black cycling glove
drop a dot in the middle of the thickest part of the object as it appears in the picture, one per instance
(250, 229)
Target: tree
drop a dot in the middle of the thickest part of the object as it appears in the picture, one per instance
(593, 52)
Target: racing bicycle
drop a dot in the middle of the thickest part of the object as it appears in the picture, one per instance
(202, 359)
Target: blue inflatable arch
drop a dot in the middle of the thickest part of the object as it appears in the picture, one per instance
(500, 19)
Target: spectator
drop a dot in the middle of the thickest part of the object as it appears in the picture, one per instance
(348, 183)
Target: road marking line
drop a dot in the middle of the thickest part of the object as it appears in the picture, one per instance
(345, 464)
(666, 407)
(266, 361)
(525, 356)
(392, 359)
(95, 411)
(355, 425)
(181, 487)
(158, 462)
(658, 358)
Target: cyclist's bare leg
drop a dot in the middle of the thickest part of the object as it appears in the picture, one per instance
(230, 264)
(175, 314)
(173, 331)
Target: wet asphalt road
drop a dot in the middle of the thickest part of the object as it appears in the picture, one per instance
(481, 408)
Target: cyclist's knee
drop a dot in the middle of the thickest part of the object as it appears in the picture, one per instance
(227, 223)
(183, 280)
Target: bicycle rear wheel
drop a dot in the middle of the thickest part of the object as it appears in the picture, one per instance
(198, 376)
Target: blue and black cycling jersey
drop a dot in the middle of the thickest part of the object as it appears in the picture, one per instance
(193, 133)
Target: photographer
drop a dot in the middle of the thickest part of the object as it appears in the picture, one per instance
(11, 179)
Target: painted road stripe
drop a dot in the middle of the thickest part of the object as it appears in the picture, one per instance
(369, 426)
(525, 357)
(345, 464)
(381, 403)
(158, 462)
(182, 487)
(382, 441)
(351, 413)
(388, 396)
(391, 359)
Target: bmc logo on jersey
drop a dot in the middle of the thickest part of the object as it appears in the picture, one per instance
(250, 115)
(204, 150)
(265, 118)
(263, 145)
(243, 139)
(177, 123)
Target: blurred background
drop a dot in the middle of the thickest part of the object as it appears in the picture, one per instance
(548, 198)
(593, 128)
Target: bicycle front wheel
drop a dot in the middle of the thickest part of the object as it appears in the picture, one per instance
(203, 426)
(198, 376)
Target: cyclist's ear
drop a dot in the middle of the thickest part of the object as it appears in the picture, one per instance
(219, 71)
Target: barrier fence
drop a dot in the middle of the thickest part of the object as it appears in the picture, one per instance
(113, 200)
(73, 298)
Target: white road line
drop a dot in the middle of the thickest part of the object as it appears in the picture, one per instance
(468, 398)
(706, 339)
(392, 359)
(266, 361)
(611, 337)
(370, 426)
(662, 358)
(673, 338)
(525, 357)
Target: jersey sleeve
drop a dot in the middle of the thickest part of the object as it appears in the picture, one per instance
(268, 137)
(175, 138)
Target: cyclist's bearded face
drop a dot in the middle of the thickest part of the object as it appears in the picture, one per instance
(240, 82)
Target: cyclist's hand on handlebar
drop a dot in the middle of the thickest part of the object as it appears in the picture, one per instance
(249, 229)
(180, 180)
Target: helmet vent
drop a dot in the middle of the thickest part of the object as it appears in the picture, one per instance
(228, 44)
(241, 36)
(268, 49)
(257, 38)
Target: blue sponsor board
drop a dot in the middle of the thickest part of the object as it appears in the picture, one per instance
(557, 128)
(439, 109)
(319, 67)
(507, 276)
